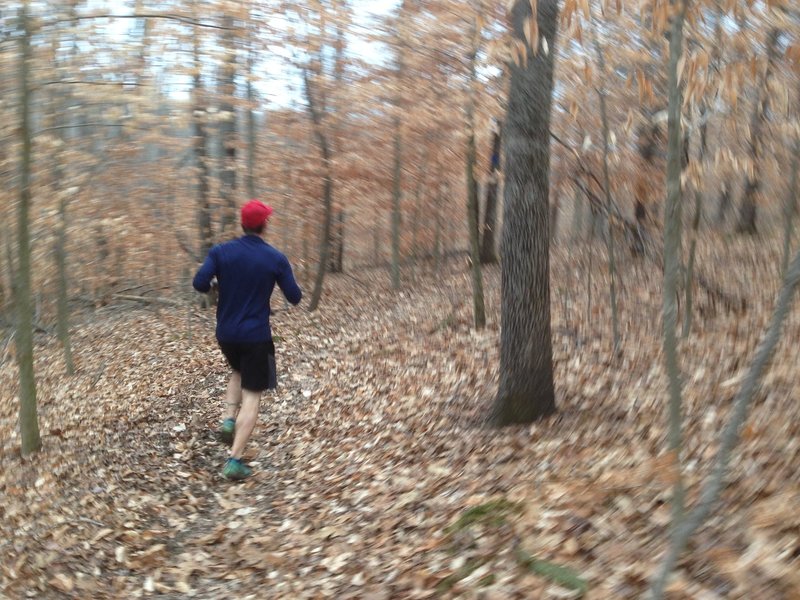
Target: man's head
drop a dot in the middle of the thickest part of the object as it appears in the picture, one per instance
(255, 215)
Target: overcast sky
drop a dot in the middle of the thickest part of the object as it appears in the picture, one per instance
(283, 87)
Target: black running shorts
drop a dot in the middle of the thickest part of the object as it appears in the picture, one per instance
(255, 362)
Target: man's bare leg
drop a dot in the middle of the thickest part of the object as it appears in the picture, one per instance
(245, 422)
(233, 396)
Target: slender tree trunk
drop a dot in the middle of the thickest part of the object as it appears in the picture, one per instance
(698, 210)
(397, 171)
(488, 244)
(478, 309)
(417, 205)
(688, 313)
(752, 184)
(337, 243)
(577, 216)
(28, 418)
(327, 193)
(228, 128)
(396, 196)
(63, 297)
(200, 144)
(60, 101)
(612, 263)
(724, 204)
(335, 262)
(376, 238)
(789, 208)
(12, 270)
(437, 234)
(251, 128)
(526, 390)
(672, 260)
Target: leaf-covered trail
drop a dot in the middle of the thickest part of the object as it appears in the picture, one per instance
(374, 446)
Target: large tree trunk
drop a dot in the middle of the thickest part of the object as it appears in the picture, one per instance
(488, 245)
(752, 184)
(28, 418)
(526, 390)
(478, 309)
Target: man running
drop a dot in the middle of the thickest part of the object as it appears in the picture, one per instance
(246, 271)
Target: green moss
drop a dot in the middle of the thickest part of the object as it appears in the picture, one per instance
(563, 576)
(493, 513)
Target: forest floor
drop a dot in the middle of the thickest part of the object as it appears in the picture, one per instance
(376, 474)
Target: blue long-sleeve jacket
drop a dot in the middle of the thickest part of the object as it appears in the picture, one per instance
(247, 270)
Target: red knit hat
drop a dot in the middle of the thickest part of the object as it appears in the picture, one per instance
(254, 214)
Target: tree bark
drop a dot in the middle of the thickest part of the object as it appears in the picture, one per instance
(28, 418)
(526, 390)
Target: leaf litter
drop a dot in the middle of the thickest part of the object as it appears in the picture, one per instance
(376, 474)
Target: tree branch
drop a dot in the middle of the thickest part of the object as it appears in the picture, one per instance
(730, 435)
(79, 82)
(78, 125)
(167, 16)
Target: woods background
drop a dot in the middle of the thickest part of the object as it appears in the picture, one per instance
(132, 132)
